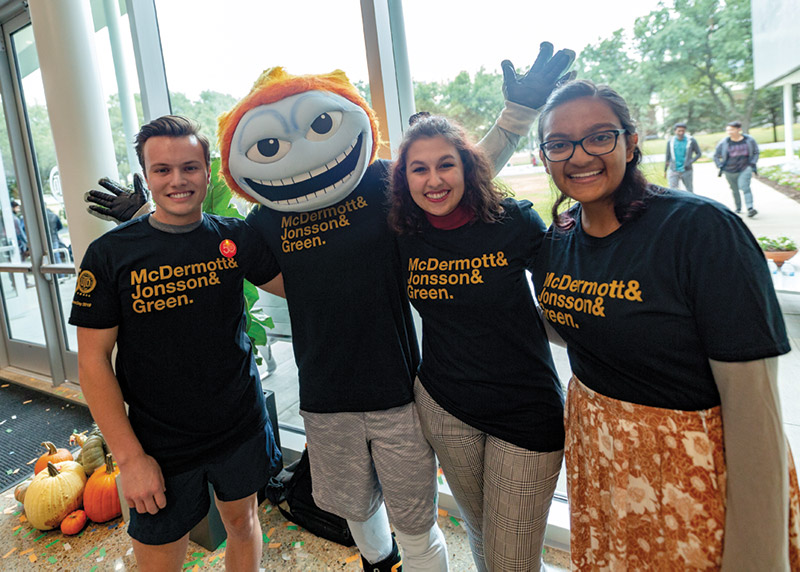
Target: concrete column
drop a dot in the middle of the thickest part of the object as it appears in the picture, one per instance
(77, 108)
(127, 104)
(788, 121)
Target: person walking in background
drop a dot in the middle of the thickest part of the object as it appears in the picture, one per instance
(19, 229)
(736, 156)
(487, 392)
(675, 449)
(682, 151)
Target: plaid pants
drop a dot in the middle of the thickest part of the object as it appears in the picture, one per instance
(503, 491)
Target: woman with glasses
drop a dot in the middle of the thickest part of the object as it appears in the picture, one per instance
(487, 393)
(675, 451)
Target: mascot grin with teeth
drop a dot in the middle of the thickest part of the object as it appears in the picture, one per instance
(304, 149)
(298, 143)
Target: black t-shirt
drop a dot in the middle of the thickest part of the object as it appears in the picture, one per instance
(643, 309)
(352, 330)
(184, 361)
(738, 156)
(485, 355)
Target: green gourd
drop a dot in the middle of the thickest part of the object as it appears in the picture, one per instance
(93, 453)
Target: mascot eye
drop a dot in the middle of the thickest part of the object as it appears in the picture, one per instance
(268, 150)
(324, 126)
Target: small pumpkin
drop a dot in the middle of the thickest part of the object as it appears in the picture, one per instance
(53, 494)
(53, 455)
(74, 522)
(78, 438)
(93, 453)
(21, 489)
(100, 499)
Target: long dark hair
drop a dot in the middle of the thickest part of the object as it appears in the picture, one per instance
(481, 195)
(631, 195)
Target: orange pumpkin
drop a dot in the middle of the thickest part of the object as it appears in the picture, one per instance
(74, 522)
(100, 498)
(53, 455)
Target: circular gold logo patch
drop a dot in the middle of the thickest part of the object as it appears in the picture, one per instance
(86, 282)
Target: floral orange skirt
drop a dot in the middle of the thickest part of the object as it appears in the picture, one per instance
(657, 499)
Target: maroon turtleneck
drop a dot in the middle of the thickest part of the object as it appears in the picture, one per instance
(460, 216)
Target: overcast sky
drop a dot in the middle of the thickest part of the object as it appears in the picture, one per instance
(205, 45)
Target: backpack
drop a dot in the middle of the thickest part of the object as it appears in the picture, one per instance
(290, 491)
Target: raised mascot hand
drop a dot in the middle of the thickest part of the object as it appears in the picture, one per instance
(119, 204)
(533, 88)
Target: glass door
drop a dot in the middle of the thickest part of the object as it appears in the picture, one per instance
(37, 275)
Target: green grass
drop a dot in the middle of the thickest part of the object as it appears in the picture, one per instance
(708, 141)
(774, 153)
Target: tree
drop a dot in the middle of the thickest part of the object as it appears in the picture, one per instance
(702, 52)
(474, 103)
(118, 135)
(204, 111)
(611, 62)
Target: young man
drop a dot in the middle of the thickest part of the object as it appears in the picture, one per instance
(736, 156)
(682, 151)
(167, 290)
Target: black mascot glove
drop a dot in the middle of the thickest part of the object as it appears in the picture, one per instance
(120, 203)
(533, 88)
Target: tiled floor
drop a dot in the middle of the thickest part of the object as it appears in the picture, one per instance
(106, 547)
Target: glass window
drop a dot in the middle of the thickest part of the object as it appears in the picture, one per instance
(214, 61)
(117, 66)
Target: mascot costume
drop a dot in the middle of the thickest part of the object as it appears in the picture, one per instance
(304, 149)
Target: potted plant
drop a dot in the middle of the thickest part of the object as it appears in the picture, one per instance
(779, 249)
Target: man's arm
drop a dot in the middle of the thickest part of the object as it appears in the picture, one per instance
(667, 155)
(274, 286)
(718, 155)
(142, 481)
(754, 155)
(757, 508)
(502, 139)
(694, 151)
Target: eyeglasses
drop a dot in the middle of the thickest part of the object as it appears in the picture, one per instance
(600, 143)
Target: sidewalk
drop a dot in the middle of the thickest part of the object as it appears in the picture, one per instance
(778, 215)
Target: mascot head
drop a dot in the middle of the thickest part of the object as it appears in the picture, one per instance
(297, 143)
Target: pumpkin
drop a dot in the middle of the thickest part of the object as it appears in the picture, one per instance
(78, 438)
(100, 499)
(93, 453)
(74, 522)
(21, 489)
(54, 493)
(53, 455)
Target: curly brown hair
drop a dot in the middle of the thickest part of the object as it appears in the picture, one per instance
(481, 196)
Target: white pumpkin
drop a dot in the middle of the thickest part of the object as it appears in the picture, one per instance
(54, 493)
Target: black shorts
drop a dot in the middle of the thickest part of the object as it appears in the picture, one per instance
(234, 477)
